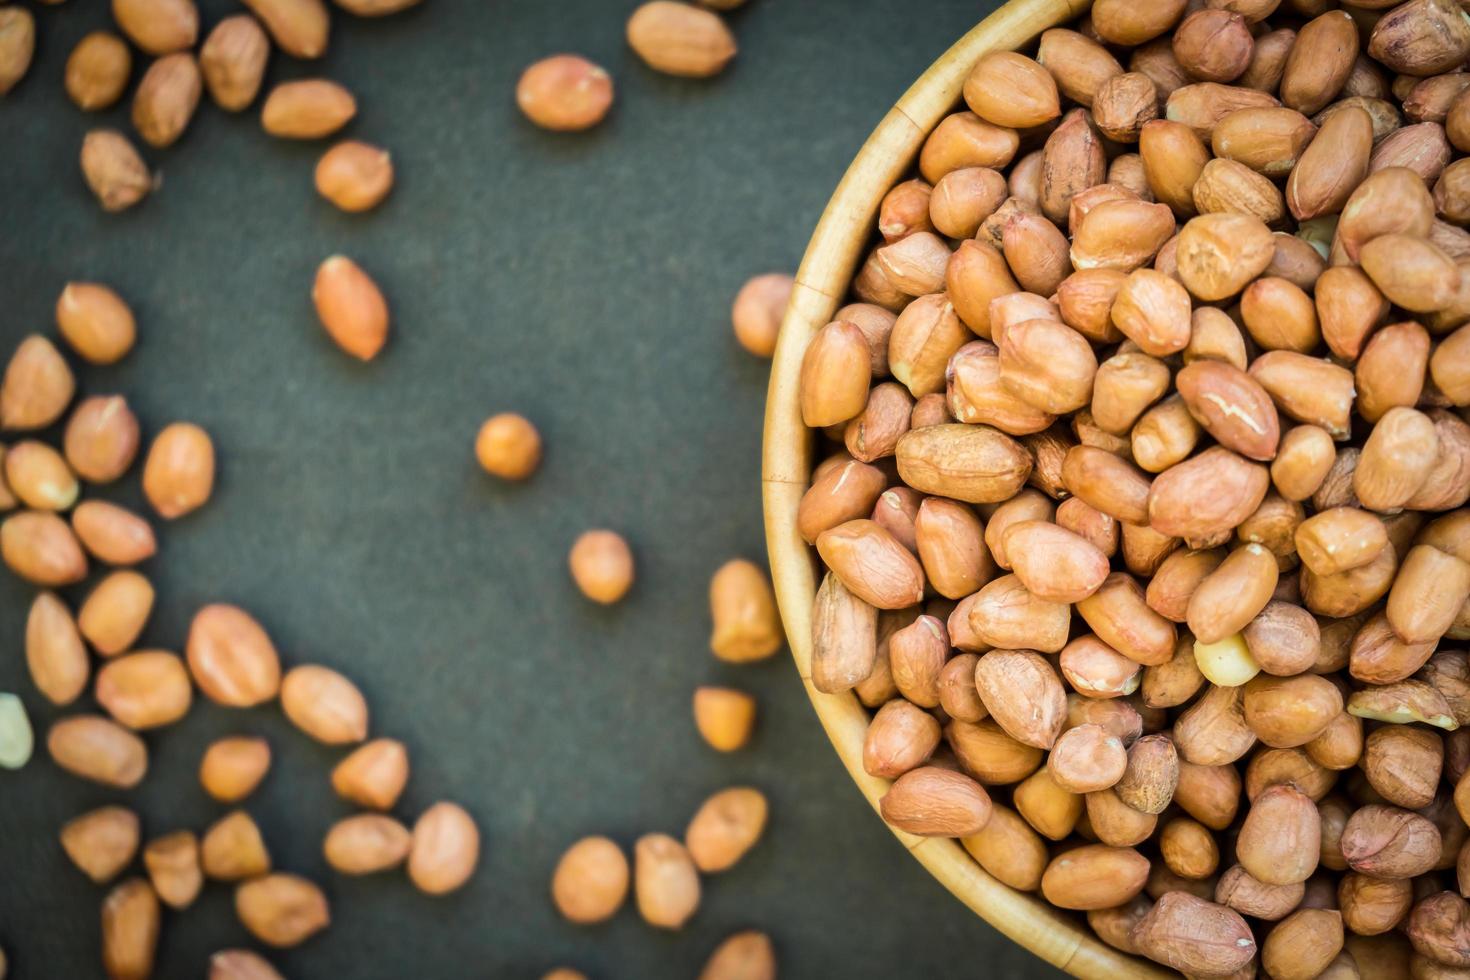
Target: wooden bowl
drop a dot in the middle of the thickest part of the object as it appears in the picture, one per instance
(840, 241)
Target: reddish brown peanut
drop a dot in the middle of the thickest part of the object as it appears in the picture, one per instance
(933, 802)
(96, 322)
(281, 910)
(55, 655)
(146, 689)
(173, 867)
(678, 39)
(564, 92)
(373, 775)
(101, 438)
(97, 70)
(757, 311)
(366, 843)
(178, 476)
(231, 658)
(590, 881)
(724, 717)
(232, 767)
(746, 955)
(307, 108)
(351, 307)
(665, 881)
(601, 564)
(355, 176)
(130, 930)
(507, 445)
(101, 842)
(232, 60)
(94, 748)
(725, 828)
(112, 534)
(324, 704)
(446, 849)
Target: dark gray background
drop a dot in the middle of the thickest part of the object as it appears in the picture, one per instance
(584, 280)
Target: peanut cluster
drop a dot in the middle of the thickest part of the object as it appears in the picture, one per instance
(1145, 537)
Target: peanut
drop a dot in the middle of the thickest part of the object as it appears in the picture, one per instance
(725, 828)
(590, 881)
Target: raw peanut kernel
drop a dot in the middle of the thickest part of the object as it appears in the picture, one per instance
(355, 176)
(40, 548)
(97, 749)
(145, 689)
(299, 27)
(17, 45)
(446, 848)
(232, 767)
(101, 842)
(758, 309)
(95, 321)
(115, 612)
(665, 882)
(112, 534)
(508, 446)
(281, 910)
(900, 737)
(746, 955)
(677, 39)
(351, 307)
(307, 109)
(564, 92)
(1232, 407)
(37, 385)
(178, 476)
(158, 26)
(324, 704)
(373, 775)
(39, 477)
(602, 566)
(366, 843)
(724, 717)
(130, 930)
(590, 881)
(55, 654)
(232, 61)
(114, 171)
(232, 849)
(1009, 89)
(240, 964)
(746, 624)
(101, 438)
(173, 867)
(97, 70)
(166, 99)
(725, 828)
(231, 658)
(933, 802)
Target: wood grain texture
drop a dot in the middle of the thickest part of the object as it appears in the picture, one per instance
(836, 247)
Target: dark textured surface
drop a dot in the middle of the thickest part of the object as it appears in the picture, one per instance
(583, 280)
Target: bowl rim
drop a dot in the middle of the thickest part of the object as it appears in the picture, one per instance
(839, 241)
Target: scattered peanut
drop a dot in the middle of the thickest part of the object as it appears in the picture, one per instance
(602, 566)
(508, 446)
(355, 176)
(590, 881)
(97, 70)
(724, 717)
(679, 39)
(445, 849)
(564, 92)
(757, 311)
